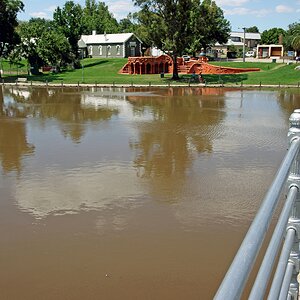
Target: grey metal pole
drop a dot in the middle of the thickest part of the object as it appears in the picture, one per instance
(243, 262)
(294, 284)
(262, 278)
(294, 221)
(281, 266)
(286, 281)
(82, 67)
(244, 41)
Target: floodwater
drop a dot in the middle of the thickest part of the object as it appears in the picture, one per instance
(131, 193)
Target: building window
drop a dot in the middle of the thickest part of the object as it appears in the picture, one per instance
(91, 50)
(118, 50)
(235, 38)
(108, 50)
(100, 50)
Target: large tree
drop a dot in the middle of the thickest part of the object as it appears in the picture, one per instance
(8, 22)
(31, 33)
(208, 26)
(271, 36)
(177, 25)
(41, 44)
(252, 29)
(292, 37)
(129, 24)
(54, 48)
(69, 21)
(96, 16)
(167, 25)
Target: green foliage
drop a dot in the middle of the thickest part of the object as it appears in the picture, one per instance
(232, 48)
(54, 48)
(292, 39)
(207, 26)
(180, 26)
(272, 35)
(164, 27)
(8, 22)
(31, 33)
(96, 16)
(252, 29)
(69, 21)
(129, 24)
(163, 20)
(43, 44)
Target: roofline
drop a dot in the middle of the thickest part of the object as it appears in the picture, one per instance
(132, 34)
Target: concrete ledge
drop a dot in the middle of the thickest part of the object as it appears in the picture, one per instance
(196, 85)
(21, 79)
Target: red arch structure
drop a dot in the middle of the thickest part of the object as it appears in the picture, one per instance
(148, 65)
(164, 64)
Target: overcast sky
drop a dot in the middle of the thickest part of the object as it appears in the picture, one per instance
(264, 14)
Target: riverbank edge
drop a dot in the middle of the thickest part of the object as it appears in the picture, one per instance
(201, 85)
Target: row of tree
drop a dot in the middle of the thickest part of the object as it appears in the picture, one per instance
(54, 42)
(290, 38)
(175, 26)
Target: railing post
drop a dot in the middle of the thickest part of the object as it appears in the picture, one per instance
(294, 221)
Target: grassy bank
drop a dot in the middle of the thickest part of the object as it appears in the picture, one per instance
(106, 71)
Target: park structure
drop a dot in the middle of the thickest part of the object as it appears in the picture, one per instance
(164, 64)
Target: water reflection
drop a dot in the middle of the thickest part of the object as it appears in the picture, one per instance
(171, 128)
(151, 185)
(158, 143)
(101, 187)
(288, 100)
(41, 104)
(63, 105)
(13, 138)
(183, 125)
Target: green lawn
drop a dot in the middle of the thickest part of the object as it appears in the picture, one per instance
(106, 71)
(19, 68)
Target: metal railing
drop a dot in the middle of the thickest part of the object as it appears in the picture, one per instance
(285, 237)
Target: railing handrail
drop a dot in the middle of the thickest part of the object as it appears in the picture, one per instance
(236, 277)
(261, 281)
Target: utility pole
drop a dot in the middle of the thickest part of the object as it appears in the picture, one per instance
(244, 41)
(82, 67)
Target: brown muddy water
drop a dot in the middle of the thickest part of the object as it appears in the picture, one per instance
(131, 193)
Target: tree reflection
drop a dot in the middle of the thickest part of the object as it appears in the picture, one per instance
(63, 105)
(184, 123)
(13, 139)
(289, 101)
(17, 104)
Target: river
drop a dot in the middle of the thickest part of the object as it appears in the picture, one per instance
(132, 193)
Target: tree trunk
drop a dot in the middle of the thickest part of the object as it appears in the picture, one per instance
(175, 71)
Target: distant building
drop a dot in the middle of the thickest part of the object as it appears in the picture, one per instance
(236, 39)
(110, 45)
(264, 51)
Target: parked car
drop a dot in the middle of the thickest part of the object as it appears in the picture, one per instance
(186, 57)
(250, 54)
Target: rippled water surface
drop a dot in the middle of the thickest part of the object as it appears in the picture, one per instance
(131, 193)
